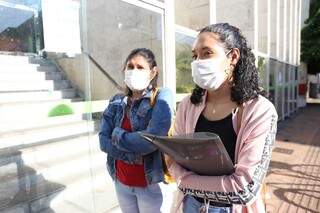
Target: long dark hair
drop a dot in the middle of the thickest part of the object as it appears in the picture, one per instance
(150, 58)
(245, 85)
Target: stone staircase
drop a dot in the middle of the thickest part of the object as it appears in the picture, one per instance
(47, 164)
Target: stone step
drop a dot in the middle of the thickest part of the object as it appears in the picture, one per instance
(43, 154)
(69, 93)
(18, 97)
(59, 169)
(62, 84)
(40, 61)
(27, 68)
(10, 59)
(47, 68)
(12, 125)
(26, 138)
(29, 84)
(37, 96)
(30, 76)
(60, 177)
(23, 60)
(23, 111)
(14, 86)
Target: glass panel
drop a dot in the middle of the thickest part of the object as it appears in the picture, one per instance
(279, 102)
(287, 73)
(45, 155)
(262, 72)
(114, 29)
(21, 26)
(280, 89)
(183, 62)
(286, 100)
(193, 14)
(295, 105)
(296, 85)
(272, 95)
(273, 71)
(272, 80)
(50, 159)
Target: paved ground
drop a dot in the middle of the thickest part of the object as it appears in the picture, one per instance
(294, 175)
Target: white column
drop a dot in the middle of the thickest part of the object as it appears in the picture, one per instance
(284, 56)
(296, 32)
(255, 30)
(291, 17)
(278, 30)
(269, 28)
(213, 11)
(267, 74)
(169, 47)
(299, 31)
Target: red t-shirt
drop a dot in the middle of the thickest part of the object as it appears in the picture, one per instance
(130, 174)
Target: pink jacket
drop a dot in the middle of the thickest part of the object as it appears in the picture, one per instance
(255, 139)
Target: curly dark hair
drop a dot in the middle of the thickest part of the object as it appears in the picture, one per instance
(245, 76)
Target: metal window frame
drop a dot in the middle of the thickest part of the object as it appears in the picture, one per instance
(166, 10)
(190, 33)
(186, 31)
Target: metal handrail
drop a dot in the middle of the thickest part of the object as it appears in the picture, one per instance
(118, 86)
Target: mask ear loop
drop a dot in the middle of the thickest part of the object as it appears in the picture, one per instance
(229, 52)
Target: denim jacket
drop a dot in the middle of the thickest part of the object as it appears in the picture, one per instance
(130, 146)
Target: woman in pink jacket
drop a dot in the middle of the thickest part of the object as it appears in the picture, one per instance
(227, 100)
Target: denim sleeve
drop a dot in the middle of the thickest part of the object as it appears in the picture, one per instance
(107, 126)
(159, 124)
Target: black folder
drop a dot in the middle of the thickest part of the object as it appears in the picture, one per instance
(200, 152)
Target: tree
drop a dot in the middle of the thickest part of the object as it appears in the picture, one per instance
(310, 39)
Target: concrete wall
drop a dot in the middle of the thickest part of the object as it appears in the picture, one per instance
(240, 14)
(192, 14)
(79, 68)
(114, 28)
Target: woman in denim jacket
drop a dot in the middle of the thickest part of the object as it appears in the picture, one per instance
(133, 163)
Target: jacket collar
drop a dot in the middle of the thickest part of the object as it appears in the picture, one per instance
(145, 94)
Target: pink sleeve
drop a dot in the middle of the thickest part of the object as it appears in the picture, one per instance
(253, 161)
(179, 124)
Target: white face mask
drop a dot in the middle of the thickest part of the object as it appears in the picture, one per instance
(207, 74)
(137, 79)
